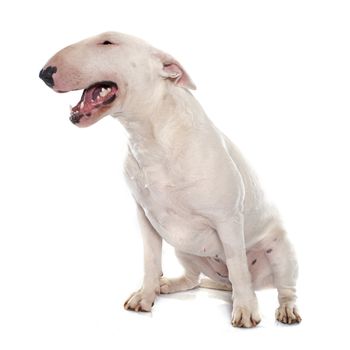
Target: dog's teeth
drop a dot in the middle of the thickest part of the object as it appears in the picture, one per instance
(82, 105)
(104, 92)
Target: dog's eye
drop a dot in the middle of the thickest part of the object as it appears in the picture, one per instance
(107, 42)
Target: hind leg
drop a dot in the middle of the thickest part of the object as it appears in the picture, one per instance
(189, 280)
(194, 266)
(281, 256)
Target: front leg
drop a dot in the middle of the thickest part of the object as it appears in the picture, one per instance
(143, 299)
(245, 306)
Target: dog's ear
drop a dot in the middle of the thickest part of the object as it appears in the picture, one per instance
(172, 70)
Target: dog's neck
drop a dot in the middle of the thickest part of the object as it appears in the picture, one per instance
(162, 130)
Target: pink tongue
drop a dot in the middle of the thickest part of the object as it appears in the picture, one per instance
(89, 101)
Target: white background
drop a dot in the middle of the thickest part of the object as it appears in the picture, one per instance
(274, 75)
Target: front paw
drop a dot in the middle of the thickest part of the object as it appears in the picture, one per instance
(245, 315)
(140, 301)
(288, 314)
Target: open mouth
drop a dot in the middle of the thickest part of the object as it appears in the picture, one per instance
(94, 100)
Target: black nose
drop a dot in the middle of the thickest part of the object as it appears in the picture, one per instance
(46, 75)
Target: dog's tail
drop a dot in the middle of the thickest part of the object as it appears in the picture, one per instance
(210, 284)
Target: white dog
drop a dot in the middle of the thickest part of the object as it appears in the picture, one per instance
(191, 185)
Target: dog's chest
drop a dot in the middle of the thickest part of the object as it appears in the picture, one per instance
(165, 201)
(150, 185)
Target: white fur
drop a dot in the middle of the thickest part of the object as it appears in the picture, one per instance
(191, 185)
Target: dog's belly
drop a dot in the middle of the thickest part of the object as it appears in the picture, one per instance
(258, 265)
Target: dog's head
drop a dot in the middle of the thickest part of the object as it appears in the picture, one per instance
(116, 73)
